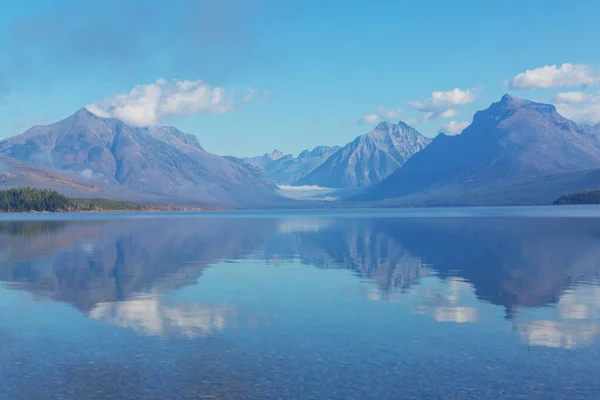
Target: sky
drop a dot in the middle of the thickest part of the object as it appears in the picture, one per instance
(248, 77)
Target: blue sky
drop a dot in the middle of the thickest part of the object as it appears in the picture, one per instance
(251, 76)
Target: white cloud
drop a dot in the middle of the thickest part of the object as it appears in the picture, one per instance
(579, 107)
(382, 114)
(147, 104)
(250, 94)
(442, 104)
(454, 127)
(552, 76)
(572, 97)
(451, 113)
(390, 114)
(369, 119)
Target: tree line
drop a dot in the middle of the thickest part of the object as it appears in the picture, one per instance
(591, 197)
(30, 199)
(44, 200)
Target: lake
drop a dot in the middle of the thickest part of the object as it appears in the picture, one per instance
(465, 303)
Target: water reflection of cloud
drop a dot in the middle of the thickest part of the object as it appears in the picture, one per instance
(153, 317)
(567, 334)
(572, 322)
(456, 314)
(444, 301)
(583, 302)
(294, 225)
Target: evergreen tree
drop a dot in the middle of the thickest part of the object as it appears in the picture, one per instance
(30, 199)
(591, 197)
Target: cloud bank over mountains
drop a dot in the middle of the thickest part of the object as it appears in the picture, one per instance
(443, 104)
(579, 106)
(454, 127)
(382, 114)
(439, 105)
(148, 104)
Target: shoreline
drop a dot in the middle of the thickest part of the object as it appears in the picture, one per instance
(166, 209)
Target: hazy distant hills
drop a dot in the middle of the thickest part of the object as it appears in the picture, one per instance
(510, 148)
(154, 161)
(286, 169)
(368, 159)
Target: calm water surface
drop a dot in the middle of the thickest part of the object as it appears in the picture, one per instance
(409, 304)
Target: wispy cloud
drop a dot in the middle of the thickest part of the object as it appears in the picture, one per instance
(454, 127)
(209, 38)
(443, 104)
(382, 114)
(572, 97)
(555, 76)
(579, 106)
(148, 104)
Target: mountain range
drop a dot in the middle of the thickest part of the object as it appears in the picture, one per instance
(514, 152)
(123, 161)
(285, 169)
(368, 159)
(511, 144)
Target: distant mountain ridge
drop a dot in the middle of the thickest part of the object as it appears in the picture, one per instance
(370, 158)
(513, 141)
(154, 161)
(286, 169)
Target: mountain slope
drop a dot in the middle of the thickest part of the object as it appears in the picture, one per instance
(155, 160)
(14, 174)
(512, 141)
(285, 168)
(369, 158)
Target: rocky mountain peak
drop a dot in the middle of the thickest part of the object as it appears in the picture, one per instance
(369, 158)
(321, 151)
(507, 107)
(275, 155)
(510, 102)
(383, 126)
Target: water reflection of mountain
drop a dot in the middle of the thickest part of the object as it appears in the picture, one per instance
(357, 245)
(512, 262)
(90, 262)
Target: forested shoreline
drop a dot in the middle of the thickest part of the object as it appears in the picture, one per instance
(44, 200)
(30, 199)
(589, 197)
